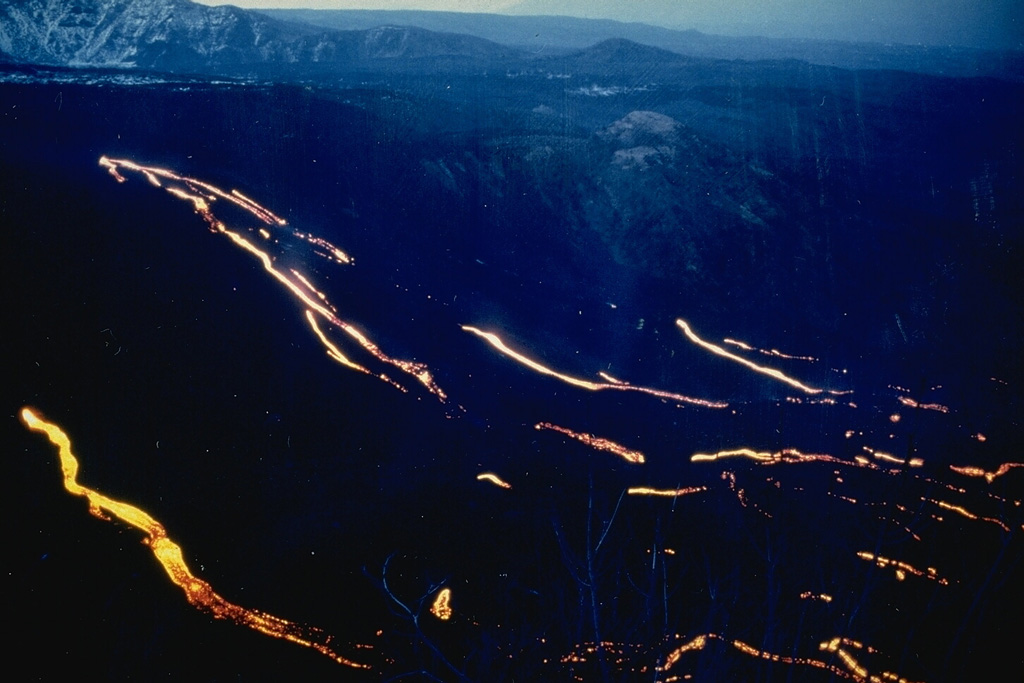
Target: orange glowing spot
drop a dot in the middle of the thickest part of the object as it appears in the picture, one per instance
(902, 568)
(667, 493)
(719, 351)
(894, 418)
(611, 383)
(980, 437)
(968, 471)
(823, 597)
(198, 592)
(635, 457)
(923, 406)
(298, 285)
(697, 643)
(264, 233)
(442, 605)
(494, 479)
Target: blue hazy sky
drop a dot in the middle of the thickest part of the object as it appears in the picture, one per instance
(996, 23)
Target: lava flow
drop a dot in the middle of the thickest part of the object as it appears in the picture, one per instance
(201, 195)
(719, 351)
(635, 457)
(198, 592)
(609, 383)
(851, 668)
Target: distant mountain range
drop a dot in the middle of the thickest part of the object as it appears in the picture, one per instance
(182, 36)
(551, 34)
(178, 35)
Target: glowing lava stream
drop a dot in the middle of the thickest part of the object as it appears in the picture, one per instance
(791, 455)
(911, 403)
(494, 479)
(990, 477)
(964, 512)
(198, 592)
(719, 351)
(787, 455)
(902, 568)
(667, 493)
(610, 383)
(596, 442)
(768, 352)
(851, 670)
(300, 286)
(442, 607)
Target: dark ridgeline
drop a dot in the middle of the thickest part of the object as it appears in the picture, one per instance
(868, 217)
(181, 36)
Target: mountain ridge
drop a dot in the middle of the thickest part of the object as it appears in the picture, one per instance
(180, 35)
(546, 35)
(183, 36)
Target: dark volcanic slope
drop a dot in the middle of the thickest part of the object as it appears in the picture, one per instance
(859, 231)
(192, 386)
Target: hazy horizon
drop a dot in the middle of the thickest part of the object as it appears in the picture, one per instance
(973, 23)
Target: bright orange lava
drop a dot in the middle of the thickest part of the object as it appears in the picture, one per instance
(939, 408)
(902, 568)
(719, 351)
(969, 471)
(768, 352)
(787, 455)
(442, 608)
(967, 513)
(494, 479)
(635, 457)
(496, 341)
(201, 194)
(198, 592)
(851, 669)
(666, 493)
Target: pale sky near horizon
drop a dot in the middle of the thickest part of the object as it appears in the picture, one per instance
(997, 23)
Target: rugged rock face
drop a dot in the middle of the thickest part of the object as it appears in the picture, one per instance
(182, 35)
(132, 33)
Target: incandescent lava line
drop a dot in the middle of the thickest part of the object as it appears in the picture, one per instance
(198, 592)
(719, 351)
(496, 341)
(200, 194)
(494, 479)
(596, 442)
